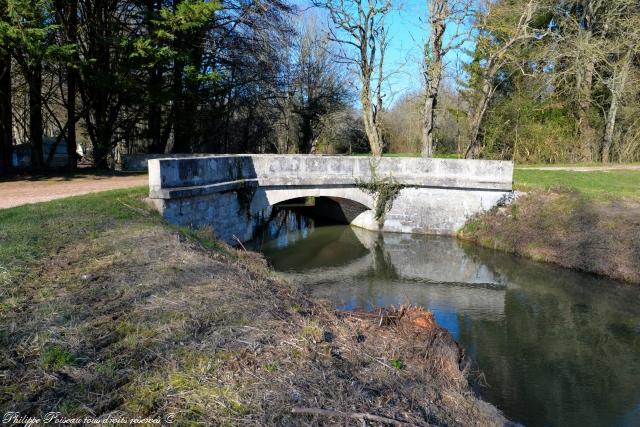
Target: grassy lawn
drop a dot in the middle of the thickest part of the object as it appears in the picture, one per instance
(30, 232)
(597, 185)
(580, 165)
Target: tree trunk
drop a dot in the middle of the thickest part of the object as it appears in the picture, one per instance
(618, 83)
(372, 128)
(585, 130)
(433, 72)
(72, 85)
(6, 122)
(181, 134)
(428, 125)
(188, 99)
(609, 128)
(371, 125)
(154, 118)
(34, 75)
(477, 117)
(101, 148)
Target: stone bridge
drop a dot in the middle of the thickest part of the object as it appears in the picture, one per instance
(234, 194)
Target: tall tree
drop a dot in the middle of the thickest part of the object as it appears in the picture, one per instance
(362, 33)
(31, 34)
(71, 32)
(109, 78)
(67, 21)
(319, 86)
(433, 68)
(6, 122)
(622, 17)
(180, 34)
(502, 26)
(442, 14)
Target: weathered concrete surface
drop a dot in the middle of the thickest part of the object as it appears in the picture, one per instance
(233, 194)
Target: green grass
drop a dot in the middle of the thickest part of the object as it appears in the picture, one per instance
(387, 154)
(56, 357)
(437, 156)
(396, 363)
(29, 232)
(597, 185)
(579, 165)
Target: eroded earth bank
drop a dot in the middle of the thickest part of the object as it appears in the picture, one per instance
(564, 227)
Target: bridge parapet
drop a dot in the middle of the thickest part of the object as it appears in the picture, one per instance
(299, 170)
(439, 194)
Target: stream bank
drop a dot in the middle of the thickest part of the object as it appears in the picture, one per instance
(563, 227)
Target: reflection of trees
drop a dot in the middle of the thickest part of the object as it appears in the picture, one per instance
(324, 246)
(569, 351)
(280, 221)
(382, 265)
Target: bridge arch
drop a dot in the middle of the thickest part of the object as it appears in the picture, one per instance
(338, 209)
(355, 195)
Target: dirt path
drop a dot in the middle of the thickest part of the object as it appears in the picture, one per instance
(583, 168)
(35, 189)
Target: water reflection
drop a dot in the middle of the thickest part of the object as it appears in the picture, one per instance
(557, 347)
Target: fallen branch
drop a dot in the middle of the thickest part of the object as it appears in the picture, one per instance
(238, 240)
(355, 415)
(141, 211)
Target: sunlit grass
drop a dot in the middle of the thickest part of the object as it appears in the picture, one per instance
(577, 165)
(31, 231)
(437, 155)
(599, 185)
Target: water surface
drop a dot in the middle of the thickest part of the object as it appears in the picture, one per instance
(557, 347)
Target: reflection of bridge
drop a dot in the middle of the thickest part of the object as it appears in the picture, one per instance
(233, 194)
(401, 268)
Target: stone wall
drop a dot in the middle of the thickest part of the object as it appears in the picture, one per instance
(234, 194)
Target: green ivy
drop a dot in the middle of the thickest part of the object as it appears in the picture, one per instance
(384, 191)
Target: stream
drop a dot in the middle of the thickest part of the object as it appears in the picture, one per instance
(556, 347)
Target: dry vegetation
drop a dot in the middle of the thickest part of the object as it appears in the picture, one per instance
(567, 228)
(130, 317)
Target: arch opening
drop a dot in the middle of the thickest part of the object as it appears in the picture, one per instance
(328, 208)
(295, 218)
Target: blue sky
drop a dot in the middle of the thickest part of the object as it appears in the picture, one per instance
(408, 31)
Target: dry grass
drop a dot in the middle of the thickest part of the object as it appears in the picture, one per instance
(566, 228)
(135, 318)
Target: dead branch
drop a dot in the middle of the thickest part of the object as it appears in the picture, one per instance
(364, 416)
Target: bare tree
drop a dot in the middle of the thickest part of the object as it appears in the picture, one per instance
(595, 46)
(623, 19)
(579, 48)
(313, 85)
(362, 34)
(442, 13)
(497, 56)
(617, 85)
